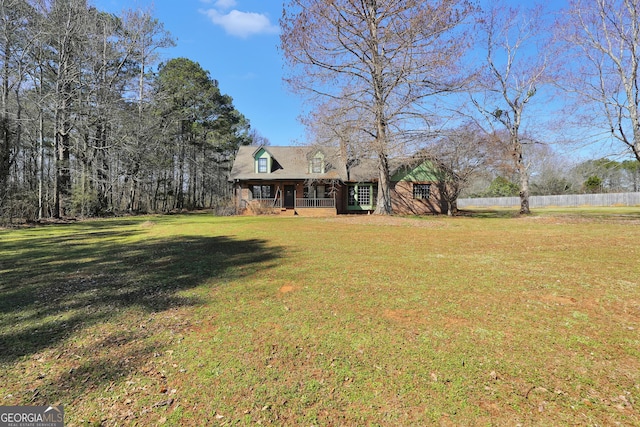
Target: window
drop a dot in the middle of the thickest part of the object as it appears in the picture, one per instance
(361, 196)
(262, 191)
(262, 165)
(352, 196)
(421, 191)
(364, 195)
(316, 165)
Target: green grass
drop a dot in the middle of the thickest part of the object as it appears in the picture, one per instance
(485, 319)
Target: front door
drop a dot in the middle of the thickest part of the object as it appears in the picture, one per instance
(289, 196)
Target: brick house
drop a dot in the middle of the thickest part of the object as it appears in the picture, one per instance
(312, 181)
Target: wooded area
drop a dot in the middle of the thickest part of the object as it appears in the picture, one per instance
(92, 124)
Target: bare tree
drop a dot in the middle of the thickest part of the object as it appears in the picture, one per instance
(336, 123)
(258, 139)
(458, 155)
(549, 171)
(15, 47)
(146, 37)
(516, 65)
(66, 27)
(603, 38)
(385, 57)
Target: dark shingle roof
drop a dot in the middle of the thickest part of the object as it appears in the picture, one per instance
(292, 163)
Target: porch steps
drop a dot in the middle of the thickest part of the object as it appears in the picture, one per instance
(287, 212)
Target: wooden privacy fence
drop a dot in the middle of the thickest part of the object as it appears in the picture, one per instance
(565, 200)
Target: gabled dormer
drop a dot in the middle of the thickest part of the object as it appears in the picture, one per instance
(263, 161)
(317, 163)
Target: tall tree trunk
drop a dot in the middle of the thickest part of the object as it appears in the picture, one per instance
(181, 160)
(384, 186)
(133, 193)
(62, 185)
(523, 173)
(66, 26)
(383, 205)
(5, 131)
(40, 160)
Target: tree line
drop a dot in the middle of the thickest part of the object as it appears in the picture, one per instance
(602, 175)
(471, 87)
(92, 123)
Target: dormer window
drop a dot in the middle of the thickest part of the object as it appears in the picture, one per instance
(262, 165)
(264, 162)
(316, 165)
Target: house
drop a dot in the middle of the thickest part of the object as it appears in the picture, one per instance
(313, 181)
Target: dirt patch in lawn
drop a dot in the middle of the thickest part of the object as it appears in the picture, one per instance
(557, 299)
(285, 289)
(406, 317)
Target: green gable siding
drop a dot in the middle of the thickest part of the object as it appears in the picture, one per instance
(424, 172)
(263, 154)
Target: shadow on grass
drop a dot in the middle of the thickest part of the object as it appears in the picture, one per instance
(51, 287)
(613, 213)
(489, 213)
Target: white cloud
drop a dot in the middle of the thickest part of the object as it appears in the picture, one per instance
(225, 4)
(241, 24)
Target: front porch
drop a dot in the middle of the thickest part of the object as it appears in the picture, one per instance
(286, 198)
(315, 207)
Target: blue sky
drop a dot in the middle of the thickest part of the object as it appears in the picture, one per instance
(237, 42)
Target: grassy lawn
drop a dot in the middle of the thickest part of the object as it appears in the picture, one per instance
(486, 319)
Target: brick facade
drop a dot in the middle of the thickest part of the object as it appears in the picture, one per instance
(403, 202)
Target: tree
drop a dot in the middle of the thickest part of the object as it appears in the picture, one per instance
(81, 131)
(459, 155)
(631, 171)
(551, 182)
(382, 57)
(38, 76)
(146, 36)
(15, 46)
(603, 38)
(258, 139)
(600, 175)
(200, 122)
(66, 22)
(593, 184)
(516, 65)
(338, 124)
(108, 67)
(185, 92)
(501, 187)
(549, 171)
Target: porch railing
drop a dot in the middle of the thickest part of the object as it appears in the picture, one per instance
(300, 203)
(316, 203)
